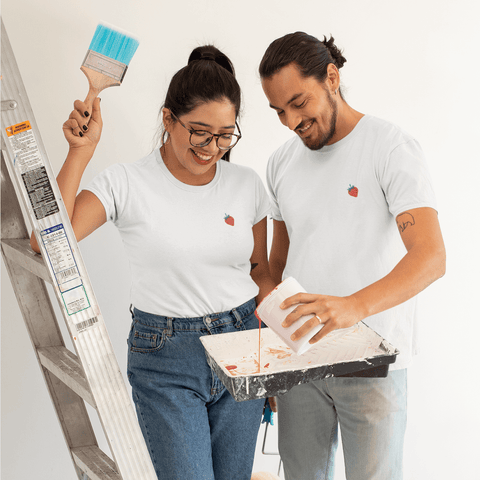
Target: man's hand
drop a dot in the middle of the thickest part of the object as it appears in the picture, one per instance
(332, 312)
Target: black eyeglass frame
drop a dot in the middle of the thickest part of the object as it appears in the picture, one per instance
(216, 135)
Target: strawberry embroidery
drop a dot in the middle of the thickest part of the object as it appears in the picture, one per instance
(229, 220)
(353, 191)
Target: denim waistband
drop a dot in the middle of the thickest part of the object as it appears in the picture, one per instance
(212, 319)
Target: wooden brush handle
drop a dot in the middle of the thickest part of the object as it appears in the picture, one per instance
(97, 82)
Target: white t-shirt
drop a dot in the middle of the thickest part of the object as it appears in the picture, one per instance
(189, 247)
(340, 205)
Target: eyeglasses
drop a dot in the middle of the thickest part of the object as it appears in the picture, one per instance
(201, 138)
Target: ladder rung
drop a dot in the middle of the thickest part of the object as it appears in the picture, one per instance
(92, 461)
(66, 366)
(20, 252)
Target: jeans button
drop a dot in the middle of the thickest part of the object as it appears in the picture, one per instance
(208, 320)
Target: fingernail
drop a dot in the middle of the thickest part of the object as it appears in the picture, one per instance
(85, 127)
(282, 305)
(284, 324)
(80, 133)
(86, 114)
(293, 337)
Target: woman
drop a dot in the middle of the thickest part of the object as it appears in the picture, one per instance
(194, 229)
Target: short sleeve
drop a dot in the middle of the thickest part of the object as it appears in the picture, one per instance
(405, 179)
(276, 215)
(111, 188)
(263, 205)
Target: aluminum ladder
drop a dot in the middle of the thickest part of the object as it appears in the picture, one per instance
(91, 373)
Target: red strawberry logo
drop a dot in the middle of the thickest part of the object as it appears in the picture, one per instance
(353, 191)
(229, 220)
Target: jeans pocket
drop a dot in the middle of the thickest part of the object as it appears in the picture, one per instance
(144, 339)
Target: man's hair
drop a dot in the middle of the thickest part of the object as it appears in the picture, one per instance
(311, 55)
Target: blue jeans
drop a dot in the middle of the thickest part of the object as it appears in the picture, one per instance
(372, 413)
(193, 427)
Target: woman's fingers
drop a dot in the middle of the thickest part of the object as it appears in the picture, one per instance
(84, 128)
(72, 126)
(82, 108)
(81, 123)
(96, 112)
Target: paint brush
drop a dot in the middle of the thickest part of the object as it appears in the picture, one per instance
(107, 59)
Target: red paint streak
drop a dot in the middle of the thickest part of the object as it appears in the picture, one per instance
(266, 366)
(259, 339)
(231, 367)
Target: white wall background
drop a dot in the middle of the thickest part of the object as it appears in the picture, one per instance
(412, 62)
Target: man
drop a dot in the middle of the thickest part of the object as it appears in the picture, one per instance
(355, 223)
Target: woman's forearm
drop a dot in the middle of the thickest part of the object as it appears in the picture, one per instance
(70, 176)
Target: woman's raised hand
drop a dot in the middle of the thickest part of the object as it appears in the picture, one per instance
(83, 129)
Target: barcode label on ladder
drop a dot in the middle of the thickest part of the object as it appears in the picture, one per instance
(86, 324)
(68, 273)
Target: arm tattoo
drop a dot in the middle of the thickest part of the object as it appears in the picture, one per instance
(253, 266)
(404, 220)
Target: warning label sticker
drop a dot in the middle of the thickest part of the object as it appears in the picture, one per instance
(28, 161)
(40, 193)
(25, 150)
(66, 272)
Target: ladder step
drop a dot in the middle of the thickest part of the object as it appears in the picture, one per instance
(92, 461)
(66, 366)
(20, 252)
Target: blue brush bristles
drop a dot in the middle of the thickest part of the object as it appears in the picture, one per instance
(114, 43)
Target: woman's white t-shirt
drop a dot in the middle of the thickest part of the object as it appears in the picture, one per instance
(189, 247)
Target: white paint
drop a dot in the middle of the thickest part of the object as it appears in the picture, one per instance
(241, 350)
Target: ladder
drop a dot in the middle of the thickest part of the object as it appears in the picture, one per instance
(91, 373)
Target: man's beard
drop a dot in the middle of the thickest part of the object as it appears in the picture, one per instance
(318, 143)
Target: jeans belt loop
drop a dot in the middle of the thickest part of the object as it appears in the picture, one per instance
(169, 331)
(238, 317)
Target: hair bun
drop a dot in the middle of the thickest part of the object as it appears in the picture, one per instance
(211, 53)
(335, 52)
(207, 56)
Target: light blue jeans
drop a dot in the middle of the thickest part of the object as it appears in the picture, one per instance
(193, 427)
(372, 414)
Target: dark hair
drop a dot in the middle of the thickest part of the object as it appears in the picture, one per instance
(209, 76)
(311, 55)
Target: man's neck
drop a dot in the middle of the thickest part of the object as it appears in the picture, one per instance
(347, 119)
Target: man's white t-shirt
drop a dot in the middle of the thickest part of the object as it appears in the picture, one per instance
(189, 247)
(340, 205)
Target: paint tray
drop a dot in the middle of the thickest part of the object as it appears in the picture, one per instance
(234, 358)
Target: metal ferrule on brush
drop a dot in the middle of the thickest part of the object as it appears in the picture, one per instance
(105, 65)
